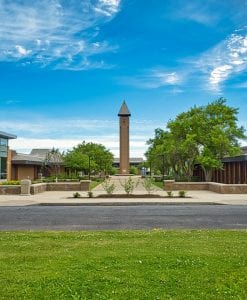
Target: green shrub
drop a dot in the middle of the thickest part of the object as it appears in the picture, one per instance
(157, 172)
(108, 188)
(168, 177)
(113, 171)
(90, 194)
(169, 194)
(182, 194)
(76, 195)
(148, 184)
(10, 182)
(134, 170)
(129, 185)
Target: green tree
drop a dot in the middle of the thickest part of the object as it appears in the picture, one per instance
(220, 136)
(201, 135)
(53, 160)
(89, 155)
(185, 147)
(134, 170)
(158, 146)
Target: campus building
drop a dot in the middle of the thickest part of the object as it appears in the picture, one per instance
(28, 165)
(234, 170)
(133, 162)
(5, 155)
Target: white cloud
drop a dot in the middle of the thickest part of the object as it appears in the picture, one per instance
(53, 126)
(107, 7)
(153, 79)
(22, 51)
(219, 74)
(241, 85)
(54, 32)
(50, 133)
(225, 60)
(25, 145)
(196, 11)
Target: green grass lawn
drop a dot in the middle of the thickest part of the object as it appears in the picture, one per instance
(93, 184)
(153, 264)
(159, 184)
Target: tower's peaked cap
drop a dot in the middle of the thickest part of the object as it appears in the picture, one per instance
(124, 111)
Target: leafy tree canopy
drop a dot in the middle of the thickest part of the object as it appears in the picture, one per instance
(86, 155)
(204, 135)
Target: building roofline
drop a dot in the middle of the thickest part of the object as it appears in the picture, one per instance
(9, 136)
(26, 162)
(235, 158)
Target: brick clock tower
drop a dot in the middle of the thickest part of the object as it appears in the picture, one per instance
(124, 115)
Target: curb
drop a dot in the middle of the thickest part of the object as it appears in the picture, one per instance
(126, 203)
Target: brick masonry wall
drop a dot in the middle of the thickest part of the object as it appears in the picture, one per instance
(210, 186)
(10, 190)
(38, 188)
(83, 185)
(43, 187)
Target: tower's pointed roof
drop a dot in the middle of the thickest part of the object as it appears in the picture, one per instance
(124, 111)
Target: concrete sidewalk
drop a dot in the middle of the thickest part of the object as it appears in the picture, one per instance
(62, 198)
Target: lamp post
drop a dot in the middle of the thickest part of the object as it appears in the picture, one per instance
(89, 167)
(163, 165)
(105, 168)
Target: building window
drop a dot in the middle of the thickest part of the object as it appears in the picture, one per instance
(3, 142)
(3, 157)
(3, 167)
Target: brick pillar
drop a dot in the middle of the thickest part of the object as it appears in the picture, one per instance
(9, 164)
(124, 145)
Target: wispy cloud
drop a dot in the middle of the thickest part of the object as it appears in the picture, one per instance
(50, 133)
(241, 85)
(208, 70)
(196, 11)
(226, 59)
(21, 145)
(72, 127)
(153, 79)
(53, 128)
(9, 101)
(62, 34)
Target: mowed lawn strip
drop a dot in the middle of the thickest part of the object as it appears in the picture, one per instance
(156, 264)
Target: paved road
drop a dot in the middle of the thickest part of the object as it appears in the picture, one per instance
(122, 217)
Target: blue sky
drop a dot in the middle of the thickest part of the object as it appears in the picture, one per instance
(66, 66)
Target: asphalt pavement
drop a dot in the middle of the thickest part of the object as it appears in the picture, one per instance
(123, 217)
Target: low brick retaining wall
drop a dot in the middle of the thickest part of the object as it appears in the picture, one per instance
(228, 188)
(83, 185)
(208, 186)
(37, 188)
(68, 186)
(62, 186)
(10, 189)
(191, 186)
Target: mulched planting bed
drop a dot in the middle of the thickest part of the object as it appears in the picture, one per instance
(130, 196)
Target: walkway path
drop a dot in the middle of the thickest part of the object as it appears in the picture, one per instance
(117, 180)
(64, 197)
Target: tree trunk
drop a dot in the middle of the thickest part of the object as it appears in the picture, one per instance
(208, 174)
